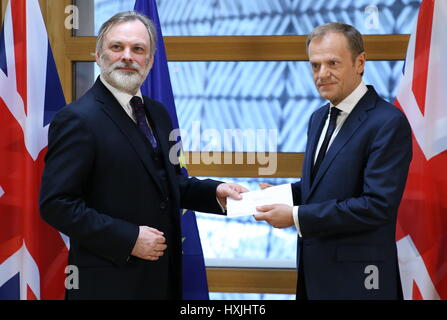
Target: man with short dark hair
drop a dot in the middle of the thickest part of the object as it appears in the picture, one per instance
(108, 182)
(356, 164)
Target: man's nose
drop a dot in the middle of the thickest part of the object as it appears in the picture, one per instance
(324, 72)
(127, 55)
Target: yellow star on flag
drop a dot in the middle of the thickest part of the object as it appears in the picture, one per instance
(182, 159)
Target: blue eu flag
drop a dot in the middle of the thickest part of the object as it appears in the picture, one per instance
(158, 87)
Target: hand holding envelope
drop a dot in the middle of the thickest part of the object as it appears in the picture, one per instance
(272, 204)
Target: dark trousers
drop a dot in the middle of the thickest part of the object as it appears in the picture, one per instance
(301, 293)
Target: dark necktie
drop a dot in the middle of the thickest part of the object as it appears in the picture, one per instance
(138, 110)
(330, 130)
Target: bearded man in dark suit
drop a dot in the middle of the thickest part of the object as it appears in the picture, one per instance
(109, 184)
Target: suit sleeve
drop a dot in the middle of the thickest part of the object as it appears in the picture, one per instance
(199, 195)
(69, 164)
(296, 193)
(384, 179)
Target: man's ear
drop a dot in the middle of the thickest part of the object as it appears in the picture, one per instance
(360, 63)
(98, 58)
(151, 62)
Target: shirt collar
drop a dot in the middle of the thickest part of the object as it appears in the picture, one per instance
(122, 97)
(351, 101)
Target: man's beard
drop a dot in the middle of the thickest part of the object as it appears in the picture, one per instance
(128, 82)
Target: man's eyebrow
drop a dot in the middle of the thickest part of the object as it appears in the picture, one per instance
(330, 58)
(114, 43)
(141, 44)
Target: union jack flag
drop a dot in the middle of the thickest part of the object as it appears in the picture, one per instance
(422, 220)
(33, 256)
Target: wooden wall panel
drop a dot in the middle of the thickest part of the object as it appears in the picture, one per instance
(252, 280)
(248, 48)
(288, 165)
(59, 37)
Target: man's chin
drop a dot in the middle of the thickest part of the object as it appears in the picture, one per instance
(125, 82)
(124, 73)
(325, 94)
(127, 73)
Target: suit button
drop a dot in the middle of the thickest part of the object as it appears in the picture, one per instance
(163, 205)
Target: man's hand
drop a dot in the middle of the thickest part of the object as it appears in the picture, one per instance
(231, 190)
(263, 185)
(150, 244)
(277, 215)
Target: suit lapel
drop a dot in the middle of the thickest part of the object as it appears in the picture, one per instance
(127, 127)
(352, 123)
(316, 126)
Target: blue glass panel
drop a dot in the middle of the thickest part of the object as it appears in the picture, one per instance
(269, 17)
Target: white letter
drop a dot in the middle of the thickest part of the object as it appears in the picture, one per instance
(195, 142)
(208, 153)
(175, 149)
(372, 20)
(72, 21)
(240, 136)
(372, 281)
(272, 158)
(72, 281)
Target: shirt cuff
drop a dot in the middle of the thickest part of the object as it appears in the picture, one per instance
(296, 221)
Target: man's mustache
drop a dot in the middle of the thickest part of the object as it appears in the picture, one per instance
(325, 83)
(127, 65)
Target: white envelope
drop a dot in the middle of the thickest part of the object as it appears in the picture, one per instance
(281, 194)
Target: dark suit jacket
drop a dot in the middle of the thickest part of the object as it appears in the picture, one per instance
(347, 216)
(100, 184)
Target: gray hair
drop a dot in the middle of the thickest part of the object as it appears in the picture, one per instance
(353, 36)
(126, 17)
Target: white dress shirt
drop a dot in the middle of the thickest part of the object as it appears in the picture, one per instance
(345, 107)
(122, 97)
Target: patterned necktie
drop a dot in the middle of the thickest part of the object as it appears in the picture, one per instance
(330, 130)
(139, 113)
